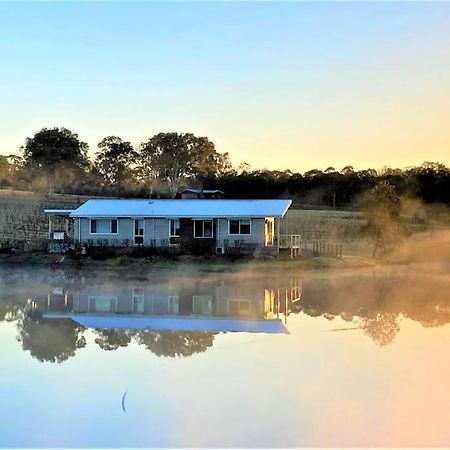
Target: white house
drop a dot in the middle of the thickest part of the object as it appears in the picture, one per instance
(191, 225)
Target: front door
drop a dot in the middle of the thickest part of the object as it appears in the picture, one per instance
(268, 231)
(139, 232)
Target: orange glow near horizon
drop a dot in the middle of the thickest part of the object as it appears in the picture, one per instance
(280, 86)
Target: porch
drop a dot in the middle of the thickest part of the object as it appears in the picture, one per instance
(290, 242)
(60, 230)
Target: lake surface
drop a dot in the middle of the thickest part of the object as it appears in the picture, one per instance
(251, 359)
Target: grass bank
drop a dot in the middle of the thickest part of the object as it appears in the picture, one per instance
(183, 263)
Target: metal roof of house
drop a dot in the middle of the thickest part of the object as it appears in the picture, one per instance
(58, 212)
(185, 208)
(174, 323)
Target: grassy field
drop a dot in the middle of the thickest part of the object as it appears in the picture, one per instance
(22, 215)
(320, 225)
(347, 227)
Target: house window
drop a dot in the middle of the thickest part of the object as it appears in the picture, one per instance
(174, 227)
(138, 231)
(102, 304)
(239, 227)
(203, 228)
(103, 226)
(238, 307)
(138, 300)
(202, 304)
(174, 304)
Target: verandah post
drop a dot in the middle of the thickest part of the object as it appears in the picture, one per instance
(278, 234)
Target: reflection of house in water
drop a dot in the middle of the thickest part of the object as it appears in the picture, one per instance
(186, 305)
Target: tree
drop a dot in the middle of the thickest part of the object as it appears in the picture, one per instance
(114, 162)
(175, 343)
(51, 148)
(15, 162)
(113, 339)
(4, 169)
(50, 340)
(312, 173)
(222, 164)
(174, 157)
(382, 328)
(381, 210)
(348, 170)
(243, 168)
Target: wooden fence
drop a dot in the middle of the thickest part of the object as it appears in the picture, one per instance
(321, 248)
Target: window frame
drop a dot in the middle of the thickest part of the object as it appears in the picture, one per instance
(240, 233)
(170, 228)
(110, 226)
(136, 220)
(239, 302)
(203, 229)
(202, 299)
(172, 301)
(113, 301)
(138, 295)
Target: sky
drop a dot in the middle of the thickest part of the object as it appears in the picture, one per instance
(277, 85)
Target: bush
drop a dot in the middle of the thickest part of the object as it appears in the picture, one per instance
(100, 253)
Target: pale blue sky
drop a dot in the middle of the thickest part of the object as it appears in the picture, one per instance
(279, 85)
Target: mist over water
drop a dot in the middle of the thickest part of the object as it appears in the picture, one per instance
(257, 358)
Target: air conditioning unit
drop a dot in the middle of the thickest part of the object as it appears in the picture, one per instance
(220, 251)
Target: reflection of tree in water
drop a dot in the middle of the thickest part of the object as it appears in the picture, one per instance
(50, 340)
(175, 343)
(113, 339)
(376, 302)
(10, 313)
(382, 328)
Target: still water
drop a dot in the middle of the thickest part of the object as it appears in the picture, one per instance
(252, 359)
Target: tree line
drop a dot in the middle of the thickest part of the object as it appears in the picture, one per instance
(56, 160)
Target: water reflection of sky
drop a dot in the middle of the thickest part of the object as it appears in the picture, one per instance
(312, 387)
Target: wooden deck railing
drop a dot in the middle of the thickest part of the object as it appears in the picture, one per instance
(289, 241)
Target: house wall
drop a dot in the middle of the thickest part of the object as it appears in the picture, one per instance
(156, 230)
(190, 244)
(125, 231)
(226, 294)
(157, 233)
(157, 299)
(256, 236)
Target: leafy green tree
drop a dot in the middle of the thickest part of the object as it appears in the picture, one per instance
(115, 160)
(50, 340)
(175, 157)
(53, 148)
(111, 339)
(312, 173)
(382, 327)
(348, 170)
(16, 163)
(243, 168)
(381, 210)
(5, 169)
(175, 343)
